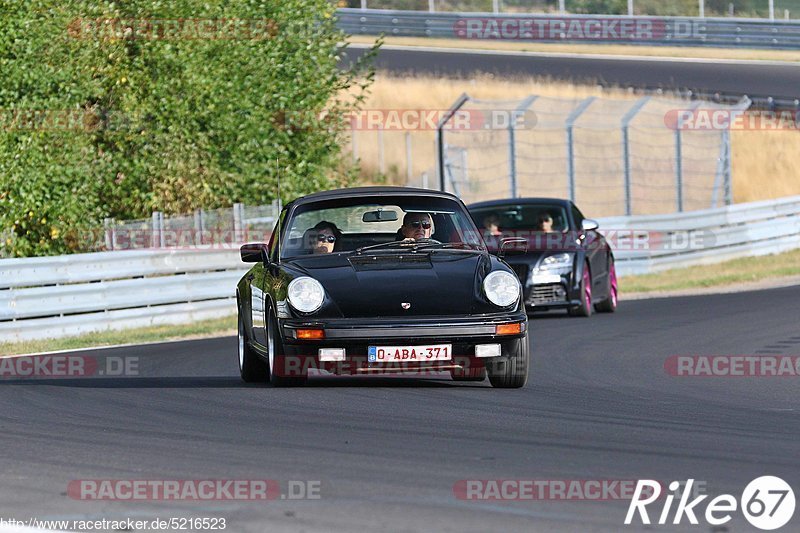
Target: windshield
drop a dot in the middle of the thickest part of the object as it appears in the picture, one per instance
(387, 223)
(531, 217)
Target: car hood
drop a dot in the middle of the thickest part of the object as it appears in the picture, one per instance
(377, 285)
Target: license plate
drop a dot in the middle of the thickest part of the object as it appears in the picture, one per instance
(393, 354)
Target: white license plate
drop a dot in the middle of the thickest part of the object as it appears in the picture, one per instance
(394, 354)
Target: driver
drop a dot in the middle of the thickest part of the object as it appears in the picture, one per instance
(416, 226)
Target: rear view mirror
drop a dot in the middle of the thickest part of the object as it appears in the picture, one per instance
(513, 246)
(254, 252)
(379, 216)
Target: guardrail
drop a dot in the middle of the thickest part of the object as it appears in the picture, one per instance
(49, 297)
(637, 30)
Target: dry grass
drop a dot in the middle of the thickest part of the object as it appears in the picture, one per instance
(765, 163)
(601, 49)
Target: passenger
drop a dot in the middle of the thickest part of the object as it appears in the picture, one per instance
(323, 238)
(545, 223)
(416, 226)
(491, 224)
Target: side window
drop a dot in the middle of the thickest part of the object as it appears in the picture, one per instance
(577, 216)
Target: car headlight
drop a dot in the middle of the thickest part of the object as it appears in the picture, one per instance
(306, 294)
(556, 264)
(501, 288)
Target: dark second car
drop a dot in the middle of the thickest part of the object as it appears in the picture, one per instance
(374, 280)
(568, 263)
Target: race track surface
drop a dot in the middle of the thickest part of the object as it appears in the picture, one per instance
(777, 80)
(388, 451)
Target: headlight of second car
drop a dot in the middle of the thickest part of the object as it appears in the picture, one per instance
(501, 288)
(306, 294)
(556, 264)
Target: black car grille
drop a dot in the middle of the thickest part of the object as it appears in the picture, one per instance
(522, 273)
(545, 294)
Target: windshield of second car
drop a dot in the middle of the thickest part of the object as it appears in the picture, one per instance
(383, 222)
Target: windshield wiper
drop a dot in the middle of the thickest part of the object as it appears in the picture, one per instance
(401, 244)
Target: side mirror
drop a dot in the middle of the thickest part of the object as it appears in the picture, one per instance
(513, 246)
(589, 225)
(254, 252)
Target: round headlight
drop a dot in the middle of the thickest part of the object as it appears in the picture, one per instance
(306, 294)
(501, 288)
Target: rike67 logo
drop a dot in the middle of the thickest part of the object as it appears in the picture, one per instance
(767, 503)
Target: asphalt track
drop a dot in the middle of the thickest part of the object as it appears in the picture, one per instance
(780, 81)
(388, 451)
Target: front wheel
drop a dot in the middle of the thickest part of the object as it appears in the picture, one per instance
(511, 370)
(251, 367)
(279, 366)
(609, 305)
(585, 308)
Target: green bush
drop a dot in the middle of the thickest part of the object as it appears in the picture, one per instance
(169, 124)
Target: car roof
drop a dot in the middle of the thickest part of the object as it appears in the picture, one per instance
(370, 191)
(561, 202)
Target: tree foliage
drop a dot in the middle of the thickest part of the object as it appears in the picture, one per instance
(165, 121)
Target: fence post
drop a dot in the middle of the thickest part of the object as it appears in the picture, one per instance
(630, 8)
(679, 169)
(440, 144)
(109, 235)
(198, 227)
(702, 9)
(512, 142)
(381, 156)
(409, 161)
(728, 176)
(562, 7)
(363, 4)
(238, 222)
(424, 180)
(157, 239)
(496, 6)
(431, 6)
(771, 9)
(570, 124)
(354, 144)
(626, 150)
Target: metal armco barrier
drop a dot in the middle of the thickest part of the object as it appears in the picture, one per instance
(638, 30)
(47, 297)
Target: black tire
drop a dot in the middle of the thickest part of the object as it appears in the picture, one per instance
(276, 357)
(585, 308)
(511, 370)
(252, 368)
(609, 305)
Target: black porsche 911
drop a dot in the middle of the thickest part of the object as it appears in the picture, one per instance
(568, 263)
(380, 280)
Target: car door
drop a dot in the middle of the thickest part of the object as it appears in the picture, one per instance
(259, 281)
(595, 246)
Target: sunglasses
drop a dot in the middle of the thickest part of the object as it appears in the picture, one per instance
(417, 223)
(326, 238)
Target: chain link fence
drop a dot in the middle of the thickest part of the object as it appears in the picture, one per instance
(611, 157)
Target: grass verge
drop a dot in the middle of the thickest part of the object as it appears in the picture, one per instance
(589, 49)
(747, 270)
(205, 328)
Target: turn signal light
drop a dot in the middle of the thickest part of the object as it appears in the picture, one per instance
(508, 329)
(311, 334)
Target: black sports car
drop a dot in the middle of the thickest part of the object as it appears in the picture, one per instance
(568, 263)
(380, 279)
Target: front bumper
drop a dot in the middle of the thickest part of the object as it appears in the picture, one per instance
(355, 336)
(555, 292)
